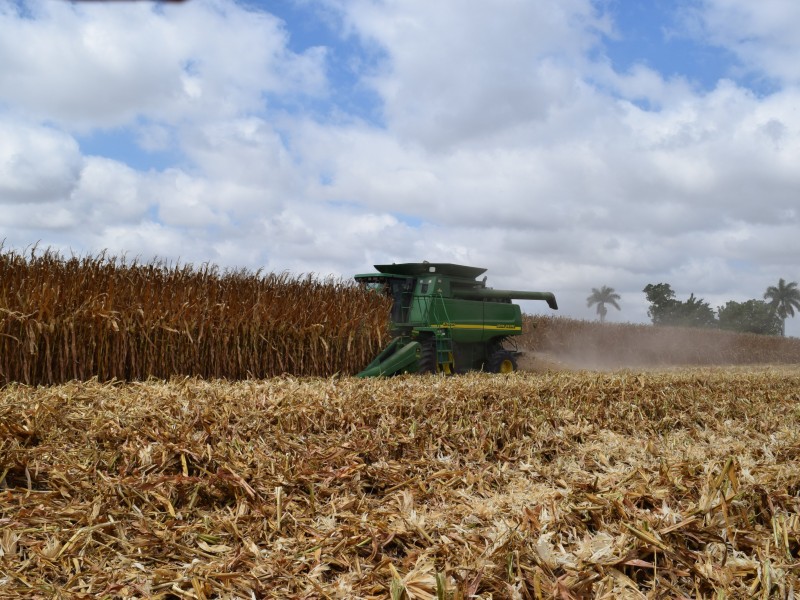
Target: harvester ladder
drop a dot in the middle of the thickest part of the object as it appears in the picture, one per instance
(444, 341)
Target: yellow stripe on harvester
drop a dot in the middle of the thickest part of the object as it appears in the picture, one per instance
(463, 326)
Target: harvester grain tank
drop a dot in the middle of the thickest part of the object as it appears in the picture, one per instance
(444, 320)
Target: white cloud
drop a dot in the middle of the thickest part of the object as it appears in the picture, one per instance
(103, 64)
(643, 84)
(76, 197)
(763, 35)
(154, 138)
(108, 193)
(455, 71)
(247, 150)
(37, 163)
(147, 240)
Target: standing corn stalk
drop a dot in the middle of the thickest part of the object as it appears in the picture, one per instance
(104, 317)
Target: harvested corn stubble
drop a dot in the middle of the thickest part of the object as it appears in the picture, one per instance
(569, 485)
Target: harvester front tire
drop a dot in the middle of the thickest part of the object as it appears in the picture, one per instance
(427, 359)
(501, 361)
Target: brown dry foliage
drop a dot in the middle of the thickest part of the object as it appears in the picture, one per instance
(78, 318)
(569, 485)
(610, 345)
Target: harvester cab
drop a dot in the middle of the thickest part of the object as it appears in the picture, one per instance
(445, 321)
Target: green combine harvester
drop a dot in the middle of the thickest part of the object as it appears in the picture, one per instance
(444, 321)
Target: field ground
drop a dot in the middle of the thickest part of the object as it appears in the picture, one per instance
(542, 362)
(560, 484)
(550, 362)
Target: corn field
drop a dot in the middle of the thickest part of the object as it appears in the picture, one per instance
(98, 316)
(674, 484)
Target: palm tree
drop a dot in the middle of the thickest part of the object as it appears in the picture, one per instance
(605, 295)
(783, 299)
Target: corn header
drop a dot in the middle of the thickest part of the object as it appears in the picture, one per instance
(444, 320)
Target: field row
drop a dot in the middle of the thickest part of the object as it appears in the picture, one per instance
(570, 485)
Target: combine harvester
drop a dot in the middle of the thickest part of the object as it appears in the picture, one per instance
(444, 321)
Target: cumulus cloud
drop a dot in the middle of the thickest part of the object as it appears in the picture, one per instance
(37, 163)
(192, 77)
(108, 192)
(763, 35)
(103, 64)
(456, 71)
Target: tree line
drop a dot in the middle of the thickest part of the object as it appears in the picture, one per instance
(767, 316)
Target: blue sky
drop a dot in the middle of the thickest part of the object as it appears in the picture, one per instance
(563, 146)
(653, 34)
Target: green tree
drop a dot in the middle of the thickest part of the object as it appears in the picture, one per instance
(753, 316)
(696, 312)
(666, 310)
(605, 295)
(784, 299)
(662, 302)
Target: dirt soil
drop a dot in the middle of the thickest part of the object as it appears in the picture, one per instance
(547, 362)
(543, 362)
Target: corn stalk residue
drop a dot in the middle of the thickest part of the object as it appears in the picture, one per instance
(680, 484)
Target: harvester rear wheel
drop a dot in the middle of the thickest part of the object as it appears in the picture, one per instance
(501, 361)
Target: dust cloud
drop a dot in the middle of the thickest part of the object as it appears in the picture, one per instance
(559, 344)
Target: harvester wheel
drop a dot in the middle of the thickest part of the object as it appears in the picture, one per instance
(501, 361)
(427, 359)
